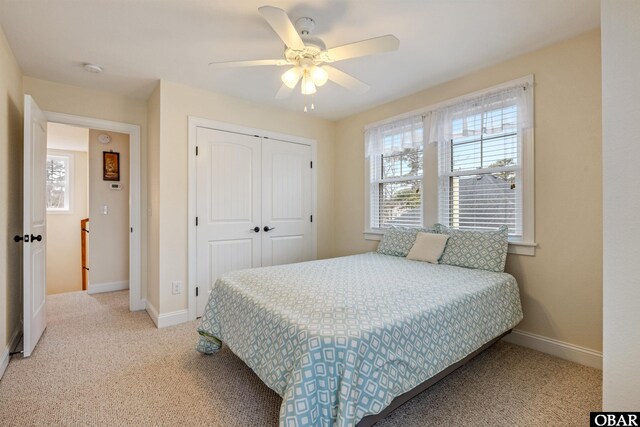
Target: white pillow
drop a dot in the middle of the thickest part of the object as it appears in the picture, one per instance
(428, 247)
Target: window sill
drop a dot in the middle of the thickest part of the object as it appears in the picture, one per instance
(59, 212)
(522, 248)
(373, 235)
(515, 248)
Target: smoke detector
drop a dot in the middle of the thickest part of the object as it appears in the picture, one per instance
(93, 68)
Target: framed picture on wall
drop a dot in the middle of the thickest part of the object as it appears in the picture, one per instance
(110, 166)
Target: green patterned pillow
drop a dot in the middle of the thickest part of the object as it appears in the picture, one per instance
(484, 250)
(399, 241)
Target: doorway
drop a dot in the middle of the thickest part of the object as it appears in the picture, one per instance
(87, 196)
(34, 237)
(136, 300)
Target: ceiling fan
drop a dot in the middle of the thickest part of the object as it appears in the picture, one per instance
(308, 56)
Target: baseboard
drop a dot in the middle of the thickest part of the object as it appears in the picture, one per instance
(140, 305)
(574, 353)
(152, 312)
(173, 318)
(98, 288)
(13, 341)
(167, 319)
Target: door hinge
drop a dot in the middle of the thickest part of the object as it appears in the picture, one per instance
(196, 221)
(311, 218)
(196, 291)
(196, 150)
(311, 164)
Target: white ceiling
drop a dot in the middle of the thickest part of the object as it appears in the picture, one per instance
(65, 137)
(139, 42)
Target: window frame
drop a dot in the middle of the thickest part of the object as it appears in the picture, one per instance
(70, 160)
(525, 245)
(376, 233)
(379, 180)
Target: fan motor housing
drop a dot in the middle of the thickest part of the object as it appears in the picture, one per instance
(313, 46)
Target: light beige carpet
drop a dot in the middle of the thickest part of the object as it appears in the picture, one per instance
(99, 364)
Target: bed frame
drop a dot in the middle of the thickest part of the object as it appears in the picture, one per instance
(370, 420)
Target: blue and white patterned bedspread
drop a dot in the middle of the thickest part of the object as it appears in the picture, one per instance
(339, 339)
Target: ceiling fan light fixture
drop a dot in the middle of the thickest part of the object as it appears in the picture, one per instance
(308, 58)
(291, 77)
(319, 76)
(308, 87)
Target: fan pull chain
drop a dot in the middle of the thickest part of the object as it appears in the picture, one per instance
(312, 106)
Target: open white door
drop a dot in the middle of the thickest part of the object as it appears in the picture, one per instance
(34, 228)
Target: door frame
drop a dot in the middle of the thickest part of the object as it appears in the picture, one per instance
(194, 124)
(136, 301)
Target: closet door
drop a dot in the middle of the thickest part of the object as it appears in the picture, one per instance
(286, 202)
(228, 206)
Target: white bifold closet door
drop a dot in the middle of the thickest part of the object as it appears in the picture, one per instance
(253, 205)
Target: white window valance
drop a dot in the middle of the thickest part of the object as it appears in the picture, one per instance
(395, 137)
(485, 114)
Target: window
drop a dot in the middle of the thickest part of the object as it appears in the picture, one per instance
(58, 191)
(480, 176)
(481, 151)
(395, 160)
(468, 166)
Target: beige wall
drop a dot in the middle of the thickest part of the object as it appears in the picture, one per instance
(62, 98)
(177, 102)
(561, 286)
(11, 113)
(109, 236)
(64, 263)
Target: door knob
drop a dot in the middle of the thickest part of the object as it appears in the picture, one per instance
(19, 238)
(267, 228)
(255, 229)
(37, 238)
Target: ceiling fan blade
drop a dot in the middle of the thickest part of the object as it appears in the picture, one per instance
(281, 24)
(254, 63)
(284, 92)
(346, 80)
(363, 48)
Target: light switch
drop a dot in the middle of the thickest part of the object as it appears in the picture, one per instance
(105, 210)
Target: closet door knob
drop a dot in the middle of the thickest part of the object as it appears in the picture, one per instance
(267, 228)
(37, 238)
(19, 238)
(255, 229)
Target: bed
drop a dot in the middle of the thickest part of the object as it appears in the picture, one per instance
(342, 339)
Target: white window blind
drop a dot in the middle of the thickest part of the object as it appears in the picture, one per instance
(480, 161)
(395, 154)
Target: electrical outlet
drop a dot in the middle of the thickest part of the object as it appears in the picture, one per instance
(176, 288)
